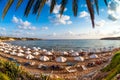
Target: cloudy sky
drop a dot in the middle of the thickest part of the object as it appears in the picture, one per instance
(51, 26)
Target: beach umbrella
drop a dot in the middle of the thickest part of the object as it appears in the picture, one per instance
(38, 48)
(28, 52)
(61, 59)
(79, 58)
(21, 51)
(24, 47)
(44, 58)
(19, 47)
(36, 53)
(64, 53)
(13, 53)
(44, 50)
(29, 56)
(1, 49)
(75, 54)
(93, 56)
(6, 51)
(20, 54)
(71, 51)
(9, 49)
(28, 49)
(48, 53)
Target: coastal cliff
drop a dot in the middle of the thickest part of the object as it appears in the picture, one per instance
(110, 38)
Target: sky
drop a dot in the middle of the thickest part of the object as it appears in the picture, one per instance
(52, 26)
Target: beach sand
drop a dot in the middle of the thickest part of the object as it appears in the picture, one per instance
(61, 73)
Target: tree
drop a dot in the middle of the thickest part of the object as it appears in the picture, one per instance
(39, 4)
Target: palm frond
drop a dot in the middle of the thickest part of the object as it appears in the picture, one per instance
(8, 5)
(40, 7)
(91, 11)
(36, 7)
(62, 7)
(53, 3)
(19, 3)
(97, 6)
(28, 7)
(75, 7)
(106, 3)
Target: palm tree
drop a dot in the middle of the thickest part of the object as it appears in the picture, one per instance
(39, 4)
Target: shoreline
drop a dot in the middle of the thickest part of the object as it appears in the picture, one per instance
(63, 73)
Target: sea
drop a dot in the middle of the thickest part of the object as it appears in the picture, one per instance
(68, 44)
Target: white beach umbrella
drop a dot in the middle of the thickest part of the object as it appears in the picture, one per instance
(14, 50)
(13, 53)
(28, 52)
(44, 58)
(29, 56)
(64, 53)
(20, 54)
(48, 53)
(1, 49)
(24, 47)
(75, 54)
(44, 50)
(21, 51)
(79, 58)
(6, 51)
(19, 47)
(38, 48)
(9, 49)
(36, 53)
(93, 56)
(28, 49)
(71, 51)
(61, 59)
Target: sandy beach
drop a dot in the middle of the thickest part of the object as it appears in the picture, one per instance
(70, 69)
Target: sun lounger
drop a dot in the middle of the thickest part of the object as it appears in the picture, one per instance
(70, 64)
(27, 64)
(70, 70)
(83, 67)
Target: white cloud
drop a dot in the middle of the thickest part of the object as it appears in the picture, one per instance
(69, 22)
(25, 25)
(114, 10)
(64, 19)
(83, 14)
(113, 17)
(70, 33)
(15, 19)
(44, 28)
(100, 23)
(2, 29)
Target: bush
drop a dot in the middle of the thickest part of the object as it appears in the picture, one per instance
(3, 77)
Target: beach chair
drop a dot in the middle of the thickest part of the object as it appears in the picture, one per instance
(70, 70)
(83, 67)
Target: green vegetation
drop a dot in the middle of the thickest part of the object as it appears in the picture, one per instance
(10, 71)
(114, 67)
(3, 76)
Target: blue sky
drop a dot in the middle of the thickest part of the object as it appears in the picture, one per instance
(51, 26)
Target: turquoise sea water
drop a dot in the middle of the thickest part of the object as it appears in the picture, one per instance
(68, 44)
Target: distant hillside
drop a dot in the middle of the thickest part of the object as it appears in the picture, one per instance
(110, 38)
(15, 38)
